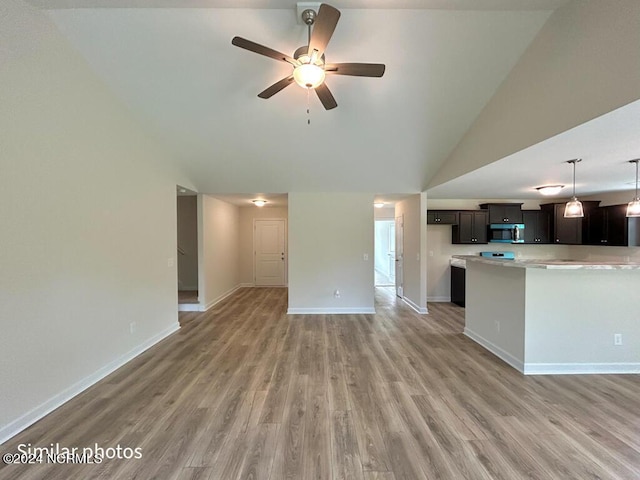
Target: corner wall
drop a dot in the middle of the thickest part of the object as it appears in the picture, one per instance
(329, 233)
(414, 212)
(219, 233)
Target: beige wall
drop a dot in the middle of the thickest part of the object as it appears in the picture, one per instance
(247, 216)
(328, 235)
(384, 213)
(413, 210)
(219, 248)
(188, 242)
(88, 216)
(583, 64)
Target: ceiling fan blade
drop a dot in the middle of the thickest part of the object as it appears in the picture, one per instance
(276, 87)
(355, 69)
(262, 50)
(325, 96)
(323, 28)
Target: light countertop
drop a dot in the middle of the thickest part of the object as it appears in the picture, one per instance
(550, 264)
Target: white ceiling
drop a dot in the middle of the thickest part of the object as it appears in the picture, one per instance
(176, 69)
(286, 4)
(605, 145)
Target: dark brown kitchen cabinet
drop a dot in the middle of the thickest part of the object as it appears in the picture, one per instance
(610, 226)
(504, 212)
(458, 275)
(537, 226)
(568, 231)
(442, 217)
(471, 227)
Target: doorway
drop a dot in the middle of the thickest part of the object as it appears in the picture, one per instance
(187, 254)
(399, 260)
(385, 253)
(270, 259)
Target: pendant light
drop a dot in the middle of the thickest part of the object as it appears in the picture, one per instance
(633, 209)
(573, 208)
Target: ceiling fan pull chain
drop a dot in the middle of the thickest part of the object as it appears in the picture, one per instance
(308, 107)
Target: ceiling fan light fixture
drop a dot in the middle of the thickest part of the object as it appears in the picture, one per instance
(308, 75)
(259, 203)
(549, 190)
(379, 204)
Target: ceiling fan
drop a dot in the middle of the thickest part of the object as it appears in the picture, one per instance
(308, 61)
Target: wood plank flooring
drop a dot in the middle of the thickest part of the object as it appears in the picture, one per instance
(246, 392)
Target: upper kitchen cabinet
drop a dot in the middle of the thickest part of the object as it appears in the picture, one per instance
(504, 212)
(610, 226)
(471, 227)
(442, 217)
(568, 231)
(537, 226)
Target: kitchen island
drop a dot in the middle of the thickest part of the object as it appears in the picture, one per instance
(555, 316)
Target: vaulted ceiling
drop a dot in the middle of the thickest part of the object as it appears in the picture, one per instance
(172, 63)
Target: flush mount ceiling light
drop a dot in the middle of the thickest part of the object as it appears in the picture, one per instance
(573, 208)
(259, 203)
(633, 209)
(378, 204)
(549, 190)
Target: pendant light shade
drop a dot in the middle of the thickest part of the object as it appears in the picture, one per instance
(573, 209)
(633, 209)
(574, 206)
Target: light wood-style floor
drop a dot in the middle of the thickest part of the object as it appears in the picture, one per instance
(246, 392)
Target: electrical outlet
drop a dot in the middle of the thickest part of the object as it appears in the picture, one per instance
(497, 326)
(336, 294)
(133, 326)
(431, 253)
(365, 257)
(170, 262)
(617, 339)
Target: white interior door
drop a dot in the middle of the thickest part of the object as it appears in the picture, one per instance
(399, 255)
(269, 253)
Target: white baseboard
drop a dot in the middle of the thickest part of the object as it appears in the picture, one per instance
(188, 307)
(330, 311)
(246, 285)
(204, 308)
(438, 299)
(57, 400)
(496, 350)
(580, 368)
(554, 368)
(414, 306)
(188, 288)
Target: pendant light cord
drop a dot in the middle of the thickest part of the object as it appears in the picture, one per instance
(574, 178)
(637, 177)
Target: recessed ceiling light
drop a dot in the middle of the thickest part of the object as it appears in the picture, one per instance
(550, 189)
(378, 204)
(259, 203)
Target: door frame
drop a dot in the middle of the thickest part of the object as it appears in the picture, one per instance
(399, 220)
(286, 249)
